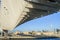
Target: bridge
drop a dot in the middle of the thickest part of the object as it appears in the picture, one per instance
(16, 12)
(40, 8)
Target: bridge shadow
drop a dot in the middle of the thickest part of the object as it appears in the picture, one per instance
(40, 8)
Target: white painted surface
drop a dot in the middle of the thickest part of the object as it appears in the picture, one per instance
(11, 10)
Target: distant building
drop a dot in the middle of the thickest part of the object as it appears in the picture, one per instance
(17, 33)
(26, 33)
(36, 33)
(48, 33)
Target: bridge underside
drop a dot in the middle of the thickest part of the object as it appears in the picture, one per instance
(40, 8)
(16, 12)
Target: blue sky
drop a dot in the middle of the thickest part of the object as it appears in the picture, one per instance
(49, 22)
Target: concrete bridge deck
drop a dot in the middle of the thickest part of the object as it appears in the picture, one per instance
(17, 12)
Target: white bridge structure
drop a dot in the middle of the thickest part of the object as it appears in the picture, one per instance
(16, 12)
